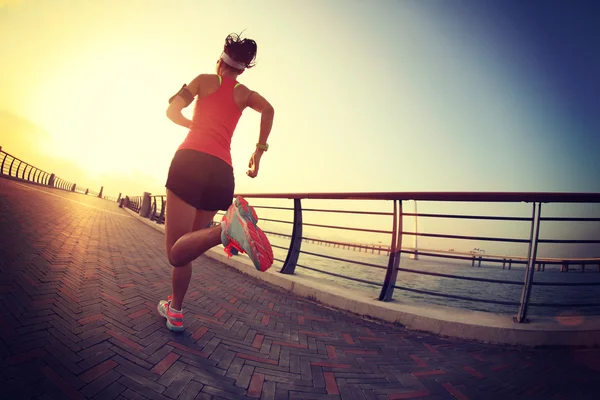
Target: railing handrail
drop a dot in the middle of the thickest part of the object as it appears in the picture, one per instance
(504, 197)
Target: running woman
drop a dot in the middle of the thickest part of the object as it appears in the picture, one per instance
(200, 180)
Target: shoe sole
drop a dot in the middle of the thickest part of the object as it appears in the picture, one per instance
(259, 244)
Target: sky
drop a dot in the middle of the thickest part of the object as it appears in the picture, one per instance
(469, 95)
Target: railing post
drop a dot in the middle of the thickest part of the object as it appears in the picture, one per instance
(51, 180)
(531, 254)
(153, 211)
(296, 241)
(387, 290)
(29, 174)
(416, 242)
(163, 204)
(101, 190)
(145, 206)
(10, 167)
(3, 160)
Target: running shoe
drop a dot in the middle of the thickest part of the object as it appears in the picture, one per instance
(174, 319)
(240, 232)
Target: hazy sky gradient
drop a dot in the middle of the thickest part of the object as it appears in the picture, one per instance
(369, 95)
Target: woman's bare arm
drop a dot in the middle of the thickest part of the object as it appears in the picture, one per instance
(261, 105)
(179, 103)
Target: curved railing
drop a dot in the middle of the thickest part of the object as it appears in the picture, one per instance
(15, 168)
(397, 234)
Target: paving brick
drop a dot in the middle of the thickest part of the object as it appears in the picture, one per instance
(61, 384)
(226, 360)
(140, 379)
(165, 363)
(454, 391)
(256, 384)
(178, 384)
(409, 395)
(188, 349)
(256, 358)
(330, 383)
(25, 356)
(243, 379)
(112, 391)
(171, 374)
(191, 391)
(131, 357)
(222, 394)
(98, 371)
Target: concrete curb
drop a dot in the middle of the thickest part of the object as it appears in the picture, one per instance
(443, 321)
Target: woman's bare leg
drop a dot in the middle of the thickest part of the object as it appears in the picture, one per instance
(184, 244)
(195, 243)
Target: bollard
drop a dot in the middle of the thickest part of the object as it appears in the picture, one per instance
(101, 190)
(146, 205)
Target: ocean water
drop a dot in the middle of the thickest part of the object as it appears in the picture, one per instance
(572, 296)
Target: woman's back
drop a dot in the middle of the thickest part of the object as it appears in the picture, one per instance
(211, 83)
(219, 106)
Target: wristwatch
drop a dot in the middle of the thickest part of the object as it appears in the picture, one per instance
(264, 147)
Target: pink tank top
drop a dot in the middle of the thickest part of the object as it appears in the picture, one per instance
(214, 121)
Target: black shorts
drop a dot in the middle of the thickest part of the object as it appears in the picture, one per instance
(202, 180)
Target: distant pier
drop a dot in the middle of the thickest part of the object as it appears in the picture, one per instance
(566, 265)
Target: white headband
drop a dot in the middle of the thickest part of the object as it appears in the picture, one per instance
(231, 62)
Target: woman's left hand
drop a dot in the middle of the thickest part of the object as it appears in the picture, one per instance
(254, 164)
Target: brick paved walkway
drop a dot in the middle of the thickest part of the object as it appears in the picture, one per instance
(80, 282)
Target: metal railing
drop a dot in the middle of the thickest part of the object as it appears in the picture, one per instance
(159, 205)
(134, 203)
(397, 233)
(15, 168)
